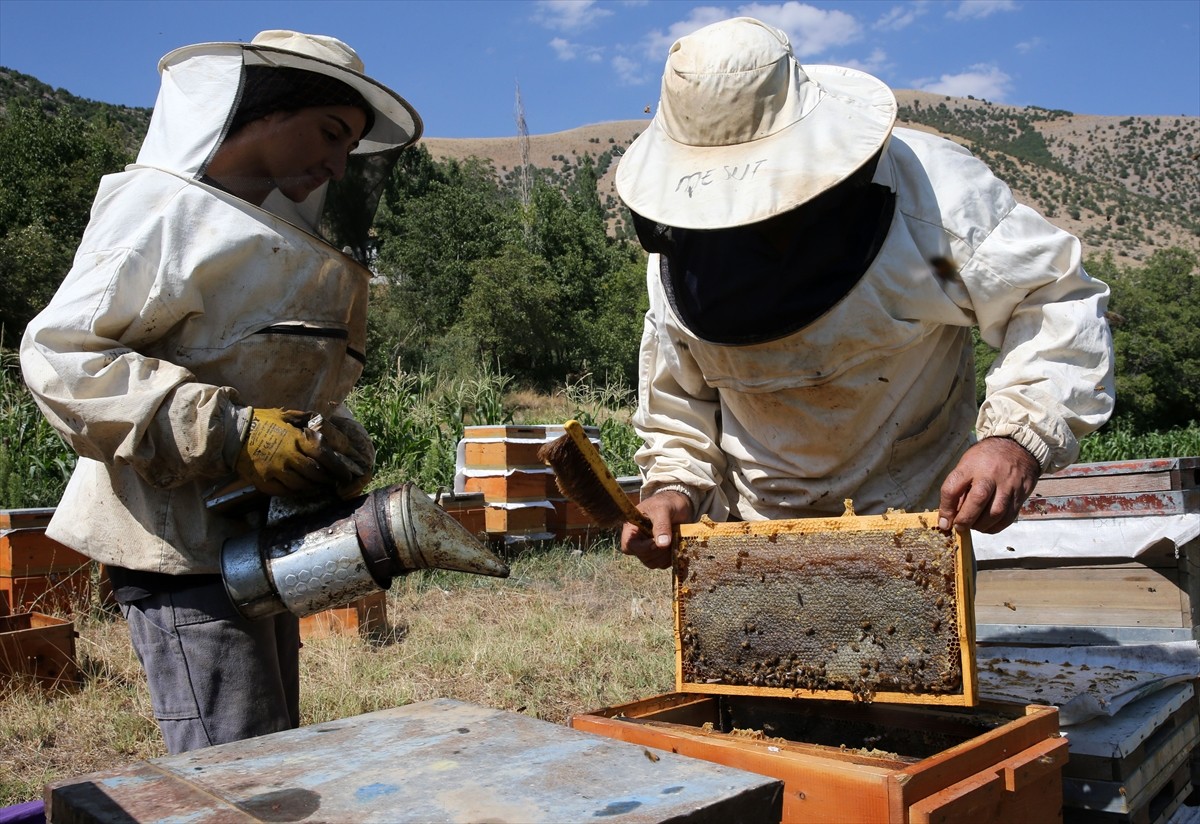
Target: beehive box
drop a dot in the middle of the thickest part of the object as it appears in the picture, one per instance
(842, 761)
(874, 608)
(365, 617)
(36, 572)
(511, 487)
(27, 551)
(519, 519)
(1134, 766)
(509, 447)
(468, 508)
(1155, 486)
(39, 646)
(58, 593)
(1103, 553)
(24, 518)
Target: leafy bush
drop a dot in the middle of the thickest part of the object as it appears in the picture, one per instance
(35, 462)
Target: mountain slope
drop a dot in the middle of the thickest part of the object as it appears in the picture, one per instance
(1124, 185)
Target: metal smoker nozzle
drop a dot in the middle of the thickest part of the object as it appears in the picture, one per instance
(310, 562)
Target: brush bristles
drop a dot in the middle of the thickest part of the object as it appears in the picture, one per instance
(574, 477)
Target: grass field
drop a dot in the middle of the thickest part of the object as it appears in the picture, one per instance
(568, 631)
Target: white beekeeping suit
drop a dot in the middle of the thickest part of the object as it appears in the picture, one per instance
(187, 305)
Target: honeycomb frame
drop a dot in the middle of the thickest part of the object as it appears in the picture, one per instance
(860, 608)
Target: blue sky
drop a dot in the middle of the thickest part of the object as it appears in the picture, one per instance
(578, 62)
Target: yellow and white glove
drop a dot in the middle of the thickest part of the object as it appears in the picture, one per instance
(282, 455)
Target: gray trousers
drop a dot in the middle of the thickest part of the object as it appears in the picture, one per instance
(215, 676)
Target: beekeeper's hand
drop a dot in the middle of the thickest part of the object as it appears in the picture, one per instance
(664, 508)
(281, 455)
(348, 438)
(985, 491)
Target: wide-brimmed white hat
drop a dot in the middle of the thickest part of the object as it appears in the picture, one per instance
(397, 123)
(743, 132)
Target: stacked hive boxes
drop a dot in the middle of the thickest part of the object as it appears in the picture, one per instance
(1107, 555)
(501, 463)
(1103, 553)
(521, 499)
(38, 576)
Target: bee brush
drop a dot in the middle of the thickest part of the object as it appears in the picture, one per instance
(582, 476)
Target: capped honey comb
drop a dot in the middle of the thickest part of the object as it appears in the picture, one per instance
(861, 608)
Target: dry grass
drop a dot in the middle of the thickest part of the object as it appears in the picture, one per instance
(568, 631)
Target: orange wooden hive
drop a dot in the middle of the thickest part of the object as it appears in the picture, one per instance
(365, 617)
(853, 762)
(38, 573)
(873, 608)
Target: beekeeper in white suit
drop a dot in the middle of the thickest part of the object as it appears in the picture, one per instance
(206, 319)
(814, 278)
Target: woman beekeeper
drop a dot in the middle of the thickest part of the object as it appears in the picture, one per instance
(209, 315)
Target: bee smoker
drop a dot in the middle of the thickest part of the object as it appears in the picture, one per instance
(306, 562)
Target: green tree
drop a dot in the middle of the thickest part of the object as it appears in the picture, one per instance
(50, 166)
(512, 314)
(1155, 314)
(434, 226)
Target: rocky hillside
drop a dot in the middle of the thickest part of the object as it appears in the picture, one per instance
(1125, 185)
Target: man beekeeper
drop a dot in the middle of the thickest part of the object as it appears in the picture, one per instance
(814, 277)
(205, 321)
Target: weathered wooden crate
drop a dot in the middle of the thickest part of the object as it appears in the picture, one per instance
(1100, 593)
(843, 762)
(438, 760)
(365, 617)
(1136, 765)
(874, 608)
(38, 646)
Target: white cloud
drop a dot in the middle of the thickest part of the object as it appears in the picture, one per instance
(982, 81)
(1032, 44)
(895, 19)
(568, 15)
(979, 9)
(565, 50)
(656, 44)
(875, 63)
(812, 31)
(629, 72)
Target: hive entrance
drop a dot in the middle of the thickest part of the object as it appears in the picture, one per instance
(868, 607)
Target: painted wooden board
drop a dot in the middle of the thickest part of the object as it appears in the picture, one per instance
(1112, 504)
(439, 760)
(867, 608)
(1151, 475)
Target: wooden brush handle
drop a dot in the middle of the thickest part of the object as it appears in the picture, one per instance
(632, 514)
